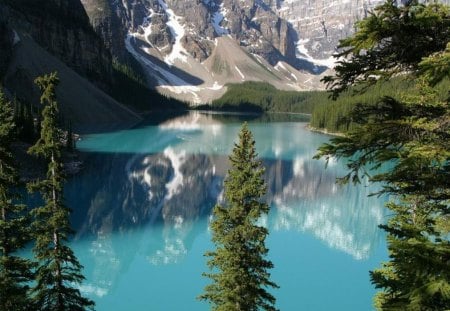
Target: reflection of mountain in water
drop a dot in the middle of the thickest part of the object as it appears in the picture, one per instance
(175, 189)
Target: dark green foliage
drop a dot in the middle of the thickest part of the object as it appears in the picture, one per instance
(418, 274)
(58, 270)
(263, 97)
(23, 118)
(336, 115)
(70, 143)
(241, 276)
(130, 88)
(391, 40)
(6, 46)
(411, 134)
(14, 271)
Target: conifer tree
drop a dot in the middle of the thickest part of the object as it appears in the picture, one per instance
(14, 271)
(59, 270)
(242, 279)
(410, 134)
(70, 144)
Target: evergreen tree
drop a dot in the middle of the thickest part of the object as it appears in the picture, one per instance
(409, 134)
(14, 271)
(23, 118)
(242, 276)
(59, 270)
(392, 40)
(70, 144)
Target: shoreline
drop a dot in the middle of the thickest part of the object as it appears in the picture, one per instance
(324, 131)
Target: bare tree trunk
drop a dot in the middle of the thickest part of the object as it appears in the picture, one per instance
(60, 304)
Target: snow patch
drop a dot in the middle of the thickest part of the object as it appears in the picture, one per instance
(240, 73)
(279, 66)
(217, 19)
(302, 53)
(216, 86)
(178, 32)
(169, 81)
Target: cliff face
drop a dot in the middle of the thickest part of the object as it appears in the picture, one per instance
(321, 24)
(191, 49)
(185, 45)
(276, 30)
(63, 29)
(113, 19)
(41, 36)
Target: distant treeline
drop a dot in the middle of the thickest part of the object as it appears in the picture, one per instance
(334, 115)
(327, 114)
(263, 97)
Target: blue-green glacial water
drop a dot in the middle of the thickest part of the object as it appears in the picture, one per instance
(143, 200)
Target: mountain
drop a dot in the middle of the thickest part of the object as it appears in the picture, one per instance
(188, 49)
(43, 36)
(192, 48)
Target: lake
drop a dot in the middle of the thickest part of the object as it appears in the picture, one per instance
(143, 202)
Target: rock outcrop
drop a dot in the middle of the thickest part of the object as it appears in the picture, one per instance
(43, 36)
(63, 29)
(112, 20)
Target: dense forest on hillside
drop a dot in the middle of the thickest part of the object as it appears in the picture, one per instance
(334, 115)
(326, 113)
(262, 97)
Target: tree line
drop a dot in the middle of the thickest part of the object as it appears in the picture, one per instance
(260, 97)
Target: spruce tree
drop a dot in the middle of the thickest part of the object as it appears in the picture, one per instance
(70, 144)
(14, 270)
(240, 278)
(410, 135)
(59, 270)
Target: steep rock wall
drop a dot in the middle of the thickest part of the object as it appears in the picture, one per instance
(62, 28)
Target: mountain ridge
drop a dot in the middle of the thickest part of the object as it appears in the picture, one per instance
(292, 39)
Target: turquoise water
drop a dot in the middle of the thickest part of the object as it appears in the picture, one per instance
(142, 205)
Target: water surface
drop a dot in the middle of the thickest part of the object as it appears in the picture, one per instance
(143, 201)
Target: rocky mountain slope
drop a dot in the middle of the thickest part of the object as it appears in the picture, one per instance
(193, 48)
(190, 49)
(55, 35)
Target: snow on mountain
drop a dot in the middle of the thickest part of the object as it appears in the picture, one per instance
(217, 18)
(191, 49)
(177, 30)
